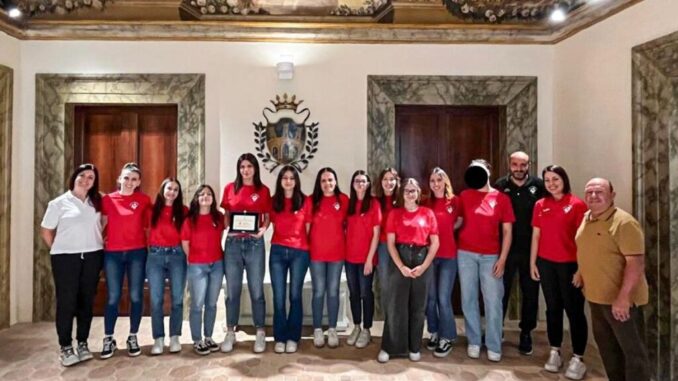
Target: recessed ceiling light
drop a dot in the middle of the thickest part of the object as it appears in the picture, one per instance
(14, 13)
(558, 15)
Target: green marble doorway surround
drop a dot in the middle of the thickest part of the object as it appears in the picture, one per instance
(6, 90)
(55, 96)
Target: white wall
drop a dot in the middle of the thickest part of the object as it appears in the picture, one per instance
(240, 80)
(592, 104)
(10, 57)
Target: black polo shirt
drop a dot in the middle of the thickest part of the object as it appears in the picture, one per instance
(523, 199)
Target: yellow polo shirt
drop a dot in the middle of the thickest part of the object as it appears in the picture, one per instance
(602, 245)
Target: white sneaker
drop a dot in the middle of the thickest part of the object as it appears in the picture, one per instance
(473, 351)
(353, 337)
(175, 345)
(415, 356)
(260, 341)
(576, 370)
(68, 356)
(364, 338)
(279, 347)
(318, 338)
(291, 346)
(332, 338)
(493, 356)
(229, 341)
(383, 356)
(554, 362)
(158, 346)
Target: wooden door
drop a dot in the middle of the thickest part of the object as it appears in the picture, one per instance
(110, 136)
(448, 137)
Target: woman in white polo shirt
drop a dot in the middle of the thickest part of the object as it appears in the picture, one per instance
(71, 228)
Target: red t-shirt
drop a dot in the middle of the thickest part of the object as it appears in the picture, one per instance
(128, 218)
(204, 239)
(165, 233)
(558, 222)
(483, 214)
(384, 217)
(327, 240)
(289, 228)
(446, 212)
(412, 228)
(248, 199)
(360, 230)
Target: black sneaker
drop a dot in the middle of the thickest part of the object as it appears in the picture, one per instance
(200, 348)
(432, 342)
(444, 348)
(525, 346)
(109, 348)
(209, 343)
(133, 349)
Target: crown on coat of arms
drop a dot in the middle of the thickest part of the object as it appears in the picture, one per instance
(286, 104)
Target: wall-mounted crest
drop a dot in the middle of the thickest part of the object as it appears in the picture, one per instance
(286, 138)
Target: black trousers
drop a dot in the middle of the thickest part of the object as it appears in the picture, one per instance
(560, 294)
(75, 278)
(405, 304)
(621, 344)
(520, 263)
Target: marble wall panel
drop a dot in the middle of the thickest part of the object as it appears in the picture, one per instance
(55, 95)
(6, 91)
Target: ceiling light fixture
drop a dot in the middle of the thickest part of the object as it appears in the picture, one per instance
(14, 13)
(558, 15)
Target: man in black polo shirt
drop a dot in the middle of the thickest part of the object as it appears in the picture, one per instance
(524, 191)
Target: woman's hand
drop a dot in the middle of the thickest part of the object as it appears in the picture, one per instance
(419, 271)
(260, 233)
(367, 270)
(577, 280)
(498, 268)
(534, 272)
(405, 271)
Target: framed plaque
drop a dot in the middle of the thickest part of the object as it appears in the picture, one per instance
(243, 222)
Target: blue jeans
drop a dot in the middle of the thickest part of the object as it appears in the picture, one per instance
(204, 284)
(382, 273)
(360, 294)
(170, 263)
(325, 277)
(439, 313)
(116, 263)
(245, 253)
(284, 260)
(474, 268)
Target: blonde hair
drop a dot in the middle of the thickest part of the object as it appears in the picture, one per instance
(449, 192)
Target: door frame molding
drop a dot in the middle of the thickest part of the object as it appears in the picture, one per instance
(6, 102)
(55, 94)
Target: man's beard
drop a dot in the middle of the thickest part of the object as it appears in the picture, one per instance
(519, 175)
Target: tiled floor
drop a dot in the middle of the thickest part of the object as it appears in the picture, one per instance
(29, 352)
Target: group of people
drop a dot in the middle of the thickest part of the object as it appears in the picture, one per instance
(486, 234)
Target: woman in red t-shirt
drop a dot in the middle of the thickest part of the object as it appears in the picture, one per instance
(439, 313)
(328, 251)
(166, 259)
(125, 215)
(412, 233)
(291, 219)
(386, 192)
(553, 262)
(362, 238)
(246, 251)
(201, 240)
(481, 257)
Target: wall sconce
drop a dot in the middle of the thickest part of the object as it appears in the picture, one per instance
(285, 69)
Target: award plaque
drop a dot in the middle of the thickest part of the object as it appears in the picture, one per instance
(243, 222)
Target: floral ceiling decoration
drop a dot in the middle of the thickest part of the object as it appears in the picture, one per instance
(281, 8)
(60, 7)
(496, 11)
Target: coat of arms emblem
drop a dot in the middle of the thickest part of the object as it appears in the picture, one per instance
(286, 137)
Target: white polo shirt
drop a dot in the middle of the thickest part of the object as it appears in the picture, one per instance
(77, 224)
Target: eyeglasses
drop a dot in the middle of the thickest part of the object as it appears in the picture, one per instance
(410, 191)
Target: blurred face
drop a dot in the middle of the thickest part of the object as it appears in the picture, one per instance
(328, 183)
(388, 183)
(288, 182)
(129, 181)
(598, 196)
(205, 198)
(85, 180)
(518, 166)
(246, 170)
(554, 184)
(171, 192)
(437, 185)
(360, 184)
(410, 194)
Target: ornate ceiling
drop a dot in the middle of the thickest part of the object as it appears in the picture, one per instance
(347, 21)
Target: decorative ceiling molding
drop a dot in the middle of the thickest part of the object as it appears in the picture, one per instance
(59, 7)
(496, 11)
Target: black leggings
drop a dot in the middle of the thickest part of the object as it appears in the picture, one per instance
(75, 278)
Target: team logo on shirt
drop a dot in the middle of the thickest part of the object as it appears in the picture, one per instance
(134, 205)
(450, 209)
(567, 208)
(507, 190)
(254, 197)
(337, 206)
(532, 189)
(422, 222)
(492, 203)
